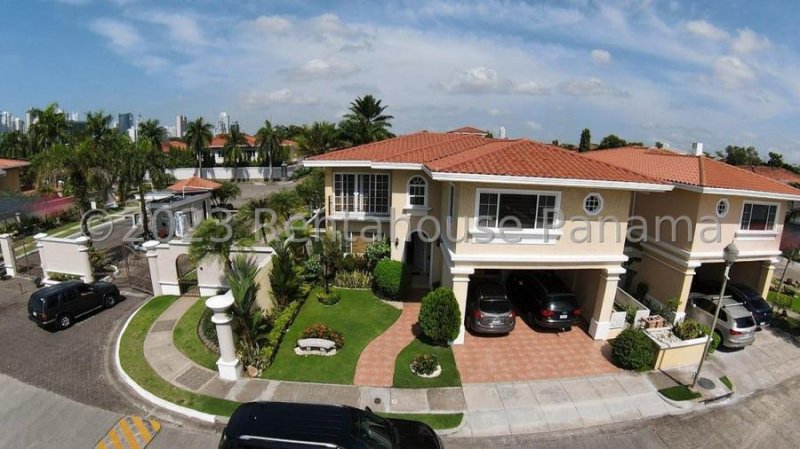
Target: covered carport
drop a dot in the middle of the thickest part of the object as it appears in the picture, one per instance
(754, 274)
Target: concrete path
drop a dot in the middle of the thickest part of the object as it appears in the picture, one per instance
(376, 364)
(491, 409)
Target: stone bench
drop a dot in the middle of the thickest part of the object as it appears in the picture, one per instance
(315, 346)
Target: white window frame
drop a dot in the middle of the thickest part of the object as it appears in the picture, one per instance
(425, 184)
(727, 209)
(770, 233)
(358, 189)
(601, 203)
(547, 235)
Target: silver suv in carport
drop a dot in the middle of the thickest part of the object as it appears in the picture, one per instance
(735, 325)
(488, 309)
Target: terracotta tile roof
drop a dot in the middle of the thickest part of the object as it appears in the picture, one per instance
(468, 130)
(472, 154)
(194, 184)
(219, 140)
(288, 143)
(779, 174)
(681, 168)
(13, 163)
(165, 146)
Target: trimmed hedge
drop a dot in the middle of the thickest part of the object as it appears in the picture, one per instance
(634, 350)
(280, 323)
(439, 316)
(391, 278)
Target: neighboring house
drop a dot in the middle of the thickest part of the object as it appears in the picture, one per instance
(217, 148)
(749, 208)
(471, 130)
(779, 174)
(10, 173)
(181, 207)
(444, 199)
(170, 144)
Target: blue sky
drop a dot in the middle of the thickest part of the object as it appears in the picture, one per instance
(720, 72)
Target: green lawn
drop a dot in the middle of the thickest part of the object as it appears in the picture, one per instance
(794, 300)
(131, 353)
(679, 393)
(359, 316)
(186, 340)
(404, 378)
(435, 420)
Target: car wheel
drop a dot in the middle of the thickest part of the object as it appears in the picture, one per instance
(109, 300)
(64, 321)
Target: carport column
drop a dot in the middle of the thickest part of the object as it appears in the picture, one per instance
(600, 324)
(230, 368)
(152, 265)
(765, 279)
(39, 245)
(460, 286)
(10, 259)
(84, 264)
(686, 288)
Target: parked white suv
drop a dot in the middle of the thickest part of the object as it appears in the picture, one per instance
(735, 325)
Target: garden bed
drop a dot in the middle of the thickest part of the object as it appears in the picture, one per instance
(404, 378)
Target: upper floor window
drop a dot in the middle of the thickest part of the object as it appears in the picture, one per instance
(593, 204)
(517, 210)
(417, 191)
(759, 217)
(722, 208)
(366, 193)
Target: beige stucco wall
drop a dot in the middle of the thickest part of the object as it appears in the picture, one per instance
(681, 356)
(10, 182)
(676, 203)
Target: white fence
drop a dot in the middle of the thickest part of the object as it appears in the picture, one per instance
(229, 173)
(64, 256)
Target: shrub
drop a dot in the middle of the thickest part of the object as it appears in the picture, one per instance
(425, 364)
(98, 260)
(779, 300)
(348, 263)
(689, 329)
(61, 277)
(716, 339)
(391, 278)
(353, 279)
(439, 316)
(320, 330)
(633, 350)
(328, 299)
(312, 269)
(360, 263)
(377, 251)
(281, 319)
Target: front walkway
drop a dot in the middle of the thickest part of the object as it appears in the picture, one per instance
(504, 408)
(376, 365)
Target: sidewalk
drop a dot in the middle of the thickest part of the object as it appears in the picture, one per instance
(492, 408)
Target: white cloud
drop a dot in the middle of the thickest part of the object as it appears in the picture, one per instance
(280, 96)
(273, 24)
(181, 27)
(704, 29)
(494, 112)
(590, 87)
(601, 56)
(483, 80)
(529, 88)
(749, 42)
(322, 68)
(123, 36)
(536, 126)
(732, 72)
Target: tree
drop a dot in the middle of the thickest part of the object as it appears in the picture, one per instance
(366, 122)
(611, 141)
(228, 191)
(232, 150)
(586, 141)
(735, 155)
(143, 158)
(97, 126)
(319, 138)
(214, 239)
(331, 257)
(80, 166)
(198, 138)
(268, 141)
(150, 130)
(49, 128)
(311, 190)
(14, 145)
(439, 316)
(285, 277)
(251, 325)
(775, 160)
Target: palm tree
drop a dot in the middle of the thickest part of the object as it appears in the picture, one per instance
(198, 138)
(319, 138)
(153, 132)
(14, 145)
(268, 140)
(233, 147)
(49, 128)
(285, 276)
(82, 166)
(366, 121)
(252, 214)
(141, 159)
(214, 239)
(241, 278)
(97, 127)
(228, 191)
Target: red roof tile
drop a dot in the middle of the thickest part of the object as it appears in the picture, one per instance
(468, 130)
(471, 154)
(165, 146)
(219, 140)
(779, 174)
(12, 163)
(194, 184)
(681, 168)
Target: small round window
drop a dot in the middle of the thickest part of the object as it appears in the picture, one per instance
(722, 208)
(593, 204)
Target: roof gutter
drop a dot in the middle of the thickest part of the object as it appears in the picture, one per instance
(739, 192)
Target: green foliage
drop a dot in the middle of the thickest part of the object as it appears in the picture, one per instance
(250, 321)
(311, 190)
(377, 251)
(281, 319)
(613, 141)
(319, 330)
(198, 137)
(392, 278)
(215, 239)
(284, 203)
(319, 138)
(727, 382)
(365, 122)
(716, 339)
(439, 316)
(331, 256)
(353, 279)
(285, 277)
(679, 393)
(228, 191)
(61, 277)
(312, 269)
(781, 301)
(688, 329)
(98, 260)
(330, 298)
(586, 141)
(425, 364)
(735, 155)
(633, 349)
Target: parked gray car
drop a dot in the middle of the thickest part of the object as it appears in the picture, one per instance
(488, 309)
(735, 325)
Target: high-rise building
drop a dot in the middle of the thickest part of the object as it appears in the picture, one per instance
(5, 121)
(29, 119)
(125, 122)
(19, 125)
(224, 123)
(180, 126)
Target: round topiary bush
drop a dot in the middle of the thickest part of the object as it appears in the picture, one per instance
(439, 316)
(391, 278)
(425, 364)
(328, 299)
(634, 350)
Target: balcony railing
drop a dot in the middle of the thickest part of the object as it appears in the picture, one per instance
(358, 205)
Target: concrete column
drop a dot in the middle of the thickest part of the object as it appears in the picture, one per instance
(600, 323)
(764, 279)
(686, 288)
(83, 264)
(9, 257)
(230, 368)
(460, 286)
(152, 265)
(39, 245)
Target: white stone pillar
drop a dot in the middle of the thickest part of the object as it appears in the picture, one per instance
(460, 287)
(600, 323)
(83, 264)
(9, 257)
(39, 245)
(152, 265)
(230, 368)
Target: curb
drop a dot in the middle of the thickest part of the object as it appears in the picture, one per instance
(163, 403)
(683, 405)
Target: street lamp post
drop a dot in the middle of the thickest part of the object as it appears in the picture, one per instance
(729, 254)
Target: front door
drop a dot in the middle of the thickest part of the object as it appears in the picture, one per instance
(419, 256)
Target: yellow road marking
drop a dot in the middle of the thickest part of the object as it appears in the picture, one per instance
(115, 441)
(139, 423)
(130, 438)
(156, 425)
(101, 445)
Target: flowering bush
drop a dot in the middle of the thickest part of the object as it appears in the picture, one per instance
(424, 364)
(320, 330)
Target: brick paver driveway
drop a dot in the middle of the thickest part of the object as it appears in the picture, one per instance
(528, 354)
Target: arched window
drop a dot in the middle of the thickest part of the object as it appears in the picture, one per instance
(417, 191)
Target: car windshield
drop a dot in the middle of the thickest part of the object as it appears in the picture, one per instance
(376, 431)
(745, 321)
(492, 305)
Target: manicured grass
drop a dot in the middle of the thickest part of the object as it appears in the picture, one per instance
(787, 324)
(404, 378)
(186, 340)
(437, 421)
(679, 393)
(772, 296)
(131, 353)
(359, 316)
(727, 382)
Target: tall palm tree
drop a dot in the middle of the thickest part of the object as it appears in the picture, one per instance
(143, 158)
(318, 138)
(268, 141)
(152, 131)
(50, 128)
(198, 137)
(81, 166)
(14, 145)
(366, 121)
(232, 150)
(97, 125)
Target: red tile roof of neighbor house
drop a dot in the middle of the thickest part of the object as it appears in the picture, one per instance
(194, 184)
(13, 163)
(472, 154)
(288, 143)
(165, 146)
(779, 174)
(468, 130)
(219, 140)
(688, 169)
